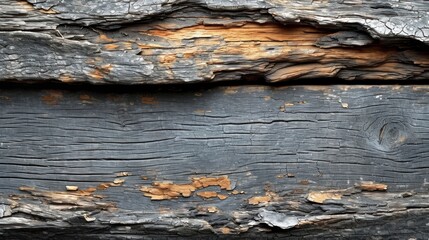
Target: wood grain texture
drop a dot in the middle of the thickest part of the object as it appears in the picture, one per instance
(298, 162)
(158, 41)
(401, 18)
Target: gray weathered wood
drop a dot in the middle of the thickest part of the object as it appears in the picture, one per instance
(289, 161)
(159, 41)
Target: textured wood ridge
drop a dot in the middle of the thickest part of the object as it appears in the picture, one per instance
(322, 162)
(160, 41)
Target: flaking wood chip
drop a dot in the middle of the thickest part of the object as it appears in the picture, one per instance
(123, 174)
(259, 199)
(119, 181)
(88, 218)
(322, 196)
(72, 188)
(371, 186)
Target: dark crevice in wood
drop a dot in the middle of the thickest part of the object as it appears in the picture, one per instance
(252, 80)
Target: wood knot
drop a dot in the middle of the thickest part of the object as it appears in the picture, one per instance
(388, 134)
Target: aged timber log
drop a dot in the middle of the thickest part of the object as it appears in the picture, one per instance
(322, 162)
(328, 162)
(172, 41)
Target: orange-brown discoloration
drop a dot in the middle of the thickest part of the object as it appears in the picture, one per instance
(422, 88)
(147, 48)
(207, 194)
(111, 46)
(103, 38)
(53, 97)
(389, 71)
(96, 74)
(235, 192)
(212, 209)
(165, 190)
(50, 11)
(209, 209)
(29, 7)
(322, 196)
(225, 230)
(211, 194)
(85, 98)
(189, 55)
(202, 111)
(223, 182)
(72, 188)
(169, 190)
(250, 40)
(94, 61)
(305, 70)
(100, 72)
(316, 88)
(222, 196)
(118, 46)
(231, 90)
(304, 182)
(23, 4)
(103, 186)
(269, 32)
(84, 199)
(118, 182)
(236, 47)
(165, 25)
(148, 100)
(346, 87)
(115, 183)
(252, 89)
(283, 107)
(259, 199)
(372, 186)
(417, 58)
(66, 78)
(168, 59)
(123, 174)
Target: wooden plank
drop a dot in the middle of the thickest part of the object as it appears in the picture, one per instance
(319, 161)
(382, 19)
(162, 42)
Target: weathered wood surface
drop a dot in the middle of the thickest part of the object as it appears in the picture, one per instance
(246, 161)
(160, 41)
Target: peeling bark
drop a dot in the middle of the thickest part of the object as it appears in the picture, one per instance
(158, 41)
